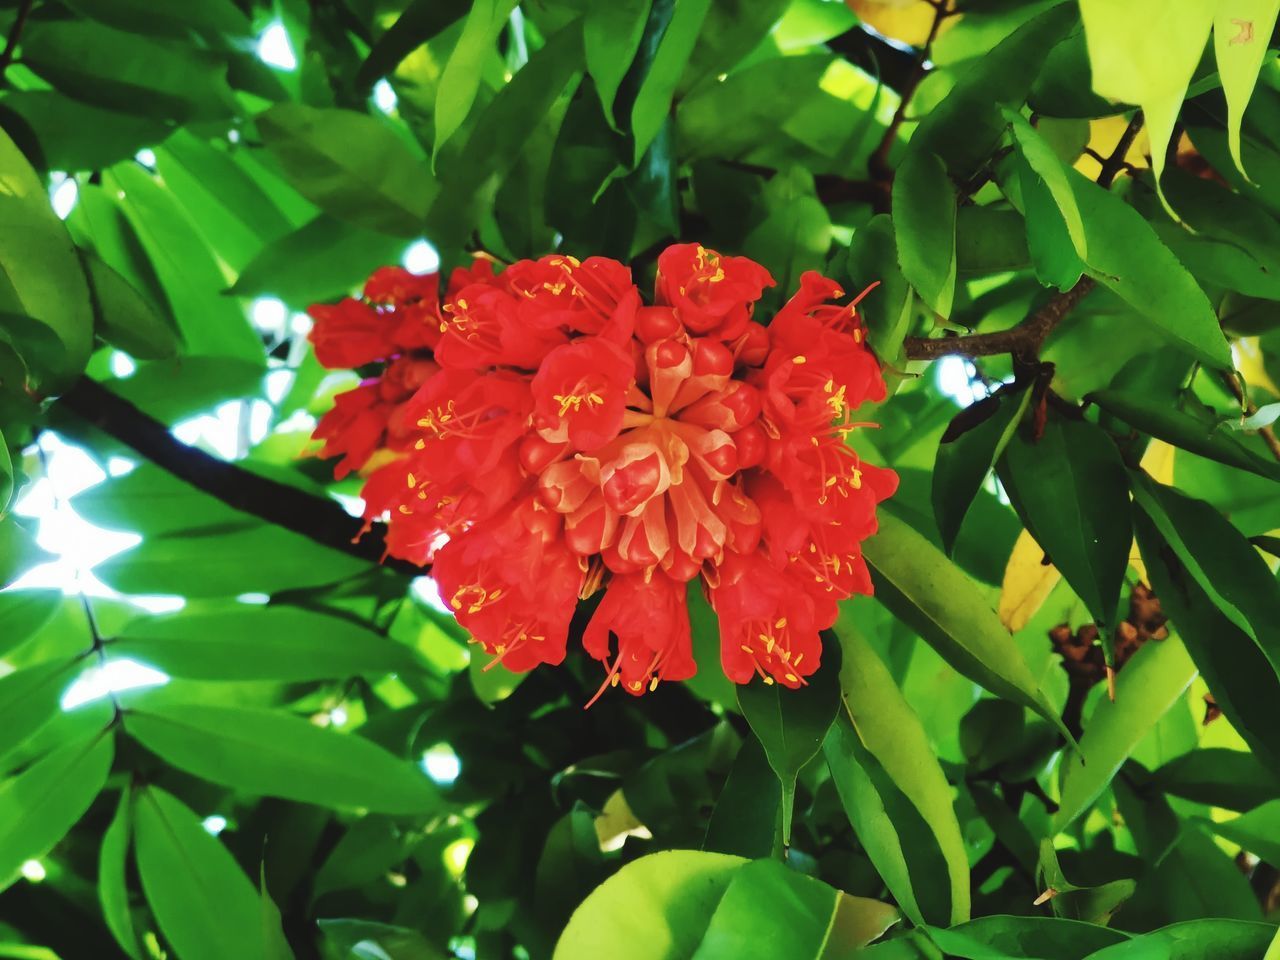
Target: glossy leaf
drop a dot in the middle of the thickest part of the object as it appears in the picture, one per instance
(279, 755)
(113, 893)
(674, 45)
(1208, 939)
(655, 908)
(915, 580)
(460, 82)
(611, 36)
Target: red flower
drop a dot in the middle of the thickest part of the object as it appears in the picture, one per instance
(560, 435)
(650, 619)
(350, 334)
(710, 293)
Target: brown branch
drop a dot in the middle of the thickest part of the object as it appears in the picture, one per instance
(1113, 164)
(15, 34)
(1267, 433)
(1023, 340)
(878, 162)
(317, 518)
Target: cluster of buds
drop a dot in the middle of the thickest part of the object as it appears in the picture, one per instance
(542, 433)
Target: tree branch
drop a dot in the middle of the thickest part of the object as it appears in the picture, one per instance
(1023, 341)
(1267, 433)
(15, 34)
(316, 518)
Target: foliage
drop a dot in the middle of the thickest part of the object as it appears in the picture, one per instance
(1050, 733)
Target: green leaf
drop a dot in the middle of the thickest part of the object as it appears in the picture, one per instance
(113, 893)
(1225, 565)
(801, 921)
(965, 458)
(1217, 777)
(1208, 939)
(967, 124)
(18, 551)
(611, 34)
(1090, 904)
(1240, 39)
(1257, 831)
(351, 165)
(1183, 429)
(916, 581)
(654, 908)
(1056, 232)
(188, 271)
(120, 70)
(39, 805)
(795, 234)
(23, 613)
(460, 81)
(420, 21)
(705, 626)
(74, 136)
(745, 819)
(365, 940)
(150, 500)
(1046, 938)
(1150, 683)
(1243, 680)
(1071, 490)
(246, 642)
(123, 317)
(39, 271)
(6, 476)
(29, 699)
(1124, 255)
(990, 239)
(893, 790)
(205, 906)
(274, 944)
(279, 755)
(873, 258)
(260, 558)
(791, 724)
(924, 218)
(322, 260)
(675, 43)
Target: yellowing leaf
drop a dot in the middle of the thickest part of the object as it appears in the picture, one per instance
(907, 21)
(1241, 31)
(1028, 580)
(1249, 361)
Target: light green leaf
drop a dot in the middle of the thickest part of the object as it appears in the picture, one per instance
(29, 699)
(351, 165)
(792, 724)
(1042, 160)
(1125, 255)
(23, 613)
(113, 893)
(74, 136)
(924, 218)
(916, 581)
(611, 32)
(990, 239)
(40, 805)
(192, 279)
(1014, 937)
(205, 905)
(1150, 683)
(39, 269)
(803, 921)
(460, 82)
(279, 755)
(654, 908)
(1257, 831)
(247, 642)
(893, 789)
(795, 234)
(1241, 35)
(18, 551)
(1208, 939)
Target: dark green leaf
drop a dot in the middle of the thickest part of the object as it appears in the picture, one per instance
(675, 43)
(611, 35)
(275, 754)
(1071, 490)
(1231, 779)
(1048, 938)
(420, 21)
(1195, 940)
(113, 893)
(873, 258)
(75, 136)
(791, 724)
(123, 317)
(745, 819)
(965, 459)
(989, 240)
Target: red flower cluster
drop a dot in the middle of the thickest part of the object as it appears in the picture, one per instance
(544, 433)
